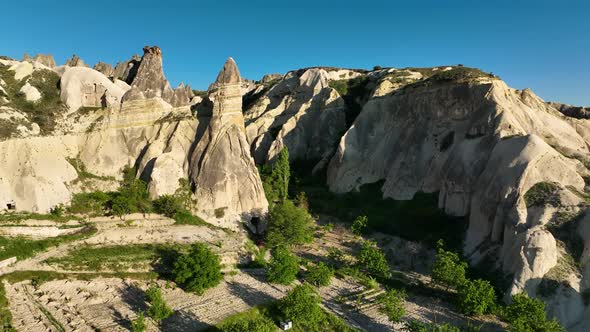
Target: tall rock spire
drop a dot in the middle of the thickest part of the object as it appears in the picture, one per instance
(227, 184)
(149, 81)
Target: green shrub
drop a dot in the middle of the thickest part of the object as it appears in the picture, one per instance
(139, 324)
(302, 306)
(95, 203)
(448, 268)
(542, 193)
(525, 314)
(476, 297)
(219, 213)
(5, 314)
(359, 225)
(373, 260)
(158, 310)
(417, 326)
(289, 225)
(392, 304)
(250, 321)
(282, 267)
(197, 270)
(167, 205)
(319, 275)
(57, 210)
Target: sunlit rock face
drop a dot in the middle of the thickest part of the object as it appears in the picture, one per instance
(227, 183)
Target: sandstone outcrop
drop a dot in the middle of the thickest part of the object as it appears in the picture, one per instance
(85, 87)
(149, 81)
(227, 183)
(482, 146)
(75, 61)
(126, 71)
(301, 111)
(105, 68)
(44, 59)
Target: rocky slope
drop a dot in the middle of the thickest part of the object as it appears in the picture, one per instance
(513, 165)
(487, 149)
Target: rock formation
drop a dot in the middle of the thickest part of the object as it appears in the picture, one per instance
(85, 87)
(44, 59)
(301, 112)
(182, 96)
(150, 82)
(126, 71)
(482, 146)
(105, 68)
(227, 183)
(75, 61)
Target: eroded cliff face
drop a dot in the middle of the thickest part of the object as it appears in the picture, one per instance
(301, 111)
(482, 146)
(155, 135)
(227, 183)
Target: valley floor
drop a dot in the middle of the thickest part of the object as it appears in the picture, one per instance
(97, 282)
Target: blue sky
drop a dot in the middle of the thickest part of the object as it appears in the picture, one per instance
(543, 45)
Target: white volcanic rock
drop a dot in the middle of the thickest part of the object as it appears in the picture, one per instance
(227, 184)
(149, 81)
(301, 112)
(22, 70)
(31, 93)
(81, 86)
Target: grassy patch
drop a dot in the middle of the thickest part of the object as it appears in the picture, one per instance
(418, 219)
(40, 277)
(5, 315)
(45, 110)
(116, 258)
(22, 248)
(18, 217)
(542, 193)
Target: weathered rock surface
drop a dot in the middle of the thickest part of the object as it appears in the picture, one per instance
(227, 183)
(577, 112)
(85, 87)
(127, 70)
(482, 146)
(44, 59)
(75, 61)
(182, 96)
(150, 82)
(31, 93)
(301, 112)
(105, 68)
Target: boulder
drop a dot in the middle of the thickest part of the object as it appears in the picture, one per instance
(85, 87)
(31, 93)
(227, 184)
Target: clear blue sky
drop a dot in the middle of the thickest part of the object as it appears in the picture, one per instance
(544, 45)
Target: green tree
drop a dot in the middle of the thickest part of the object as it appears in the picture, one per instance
(448, 268)
(276, 185)
(359, 225)
(525, 314)
(282, 267)
(139, 324)
(133, 192)
(197, 270)
(289, 225)
(373, 260)
(158, 310)
(476, 297)
(392, 304)
(319, 275)
(302, 306)
(167, 205)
